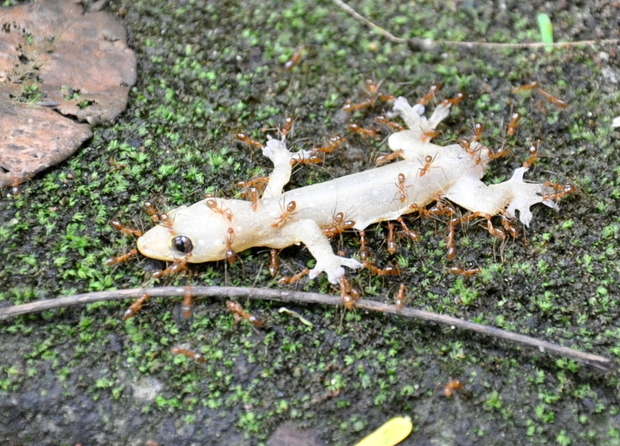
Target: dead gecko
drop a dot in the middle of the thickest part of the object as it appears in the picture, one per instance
(213, 228)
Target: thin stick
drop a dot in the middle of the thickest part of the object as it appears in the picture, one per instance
(391, 37)
(304, 297)
(420, 44)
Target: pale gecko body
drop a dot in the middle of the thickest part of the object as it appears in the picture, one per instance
(365, 198)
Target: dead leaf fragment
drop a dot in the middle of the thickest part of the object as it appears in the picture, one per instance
(288, 434)
(34, 138)
(77, 63)
(80, 60)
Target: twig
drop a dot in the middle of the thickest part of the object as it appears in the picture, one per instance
(391, 37)
(420, 44)
(304, 297)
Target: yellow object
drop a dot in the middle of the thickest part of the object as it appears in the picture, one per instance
(297, 315)
(390, 434)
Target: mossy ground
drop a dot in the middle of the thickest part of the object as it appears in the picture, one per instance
(210, 69)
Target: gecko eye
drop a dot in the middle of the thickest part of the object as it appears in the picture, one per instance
(182, 244)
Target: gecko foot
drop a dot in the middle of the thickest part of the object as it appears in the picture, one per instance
(334, 268)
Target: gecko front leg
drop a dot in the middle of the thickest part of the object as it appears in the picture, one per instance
(281, 157)
(410, 143)
(283, 160)
(311, 235)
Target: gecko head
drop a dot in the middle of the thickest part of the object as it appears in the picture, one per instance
(195, 231)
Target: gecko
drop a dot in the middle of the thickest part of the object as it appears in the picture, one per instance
(216, 228)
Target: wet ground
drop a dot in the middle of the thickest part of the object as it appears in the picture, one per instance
(208, 70)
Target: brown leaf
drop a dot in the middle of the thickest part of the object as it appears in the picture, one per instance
(54, 54)
(288, 434)
(34, 138)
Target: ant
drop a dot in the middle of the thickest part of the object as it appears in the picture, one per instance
(452, 387)
(428, 135)
(231, 255)
(384, 159)
(560, 191)
(533, 156)
(290, 208)
(177, 266)
(253, 195)
(389, 270)
(356, 128)
(160, 219)
(190, 354)
(555, 101)
(372, 90)
(391, 242)
(399, 297)
(441, 207)
(348, 295)
(413, 235)
(249, 141)
(292, 279)
(339, 225)
(513, 124)
(295, 59)
(401, 187)
(333, 143)
(212, 204)
(466, 144)
(431, 94)
(135, 307)
(455, 100)
(252, 189)
(239, 314)
(364, 254)
(454, 222)
(350, 107)
(186, 305)
(509, 227)
(499, 153)
(384, 120)
(428, 160)
(311, 158)
(259, 182)
(122, 258)
(536, 87)
(450, 244)
(274, 264)
(463, 272)
(288, 125)
(116, 224)
(478, 129)
(363, 249)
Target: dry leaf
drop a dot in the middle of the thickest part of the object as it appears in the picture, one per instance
(34, 138)
(288, 434)
(51, 53)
